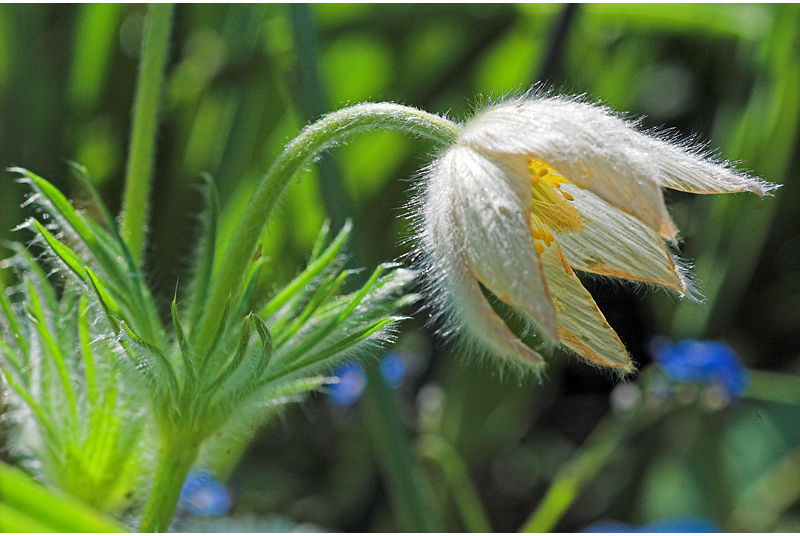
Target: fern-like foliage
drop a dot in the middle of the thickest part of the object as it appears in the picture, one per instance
(91, 363)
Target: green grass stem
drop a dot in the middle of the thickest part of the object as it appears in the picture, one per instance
(143, 131)
(573, 478)
(455, 470)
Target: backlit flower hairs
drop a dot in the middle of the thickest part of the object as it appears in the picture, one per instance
(535, 187)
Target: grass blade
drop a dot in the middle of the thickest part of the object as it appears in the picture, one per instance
(205, 252)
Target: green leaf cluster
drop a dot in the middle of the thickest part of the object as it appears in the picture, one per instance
(26, 507)
(86, 362)
(79, 412)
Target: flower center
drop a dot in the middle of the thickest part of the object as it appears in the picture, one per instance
(550, 207)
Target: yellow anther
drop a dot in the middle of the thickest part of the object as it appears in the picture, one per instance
(565, 264)
(539, 247)
(550, 206)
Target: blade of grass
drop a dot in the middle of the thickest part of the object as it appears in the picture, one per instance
(578, 473)
(12, 520)
(149, 84)
(206, 251)
(455, 470)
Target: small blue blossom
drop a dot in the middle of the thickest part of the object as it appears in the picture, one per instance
(705, 362)
(204, 495)
(393, 369)
(689, 524)
(351, 384)
(352, 380)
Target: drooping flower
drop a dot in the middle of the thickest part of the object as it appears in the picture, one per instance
(537, 187)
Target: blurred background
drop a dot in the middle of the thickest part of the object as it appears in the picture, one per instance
(242, 80)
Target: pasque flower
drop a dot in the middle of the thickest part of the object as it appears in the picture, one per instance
(537, 187)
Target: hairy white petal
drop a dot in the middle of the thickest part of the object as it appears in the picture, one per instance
(492, 208)
(683, 168)
(584, 143)
(616, 244)
(453, 284)
(581, 325)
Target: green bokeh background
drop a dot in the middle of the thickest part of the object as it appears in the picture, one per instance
(243, 79)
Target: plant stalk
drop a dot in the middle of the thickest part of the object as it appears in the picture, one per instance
(176, 455)
(143, 130)
(573, 478)
(329, 130)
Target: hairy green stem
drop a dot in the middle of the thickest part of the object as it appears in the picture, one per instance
(176, 454)
(329, 130)
(143, 130)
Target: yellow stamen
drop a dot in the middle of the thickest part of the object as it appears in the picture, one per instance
(549, 204)
(565, 264)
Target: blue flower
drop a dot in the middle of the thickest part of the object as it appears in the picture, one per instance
(688, 524)
(351, 384)
(393, 369)
(204, 495)
(705, 362)
(353, 380)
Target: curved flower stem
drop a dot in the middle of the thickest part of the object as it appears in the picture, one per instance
(143, 130)
(175, 457)
(328, 131)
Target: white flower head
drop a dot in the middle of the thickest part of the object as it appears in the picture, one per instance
(536, 187)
